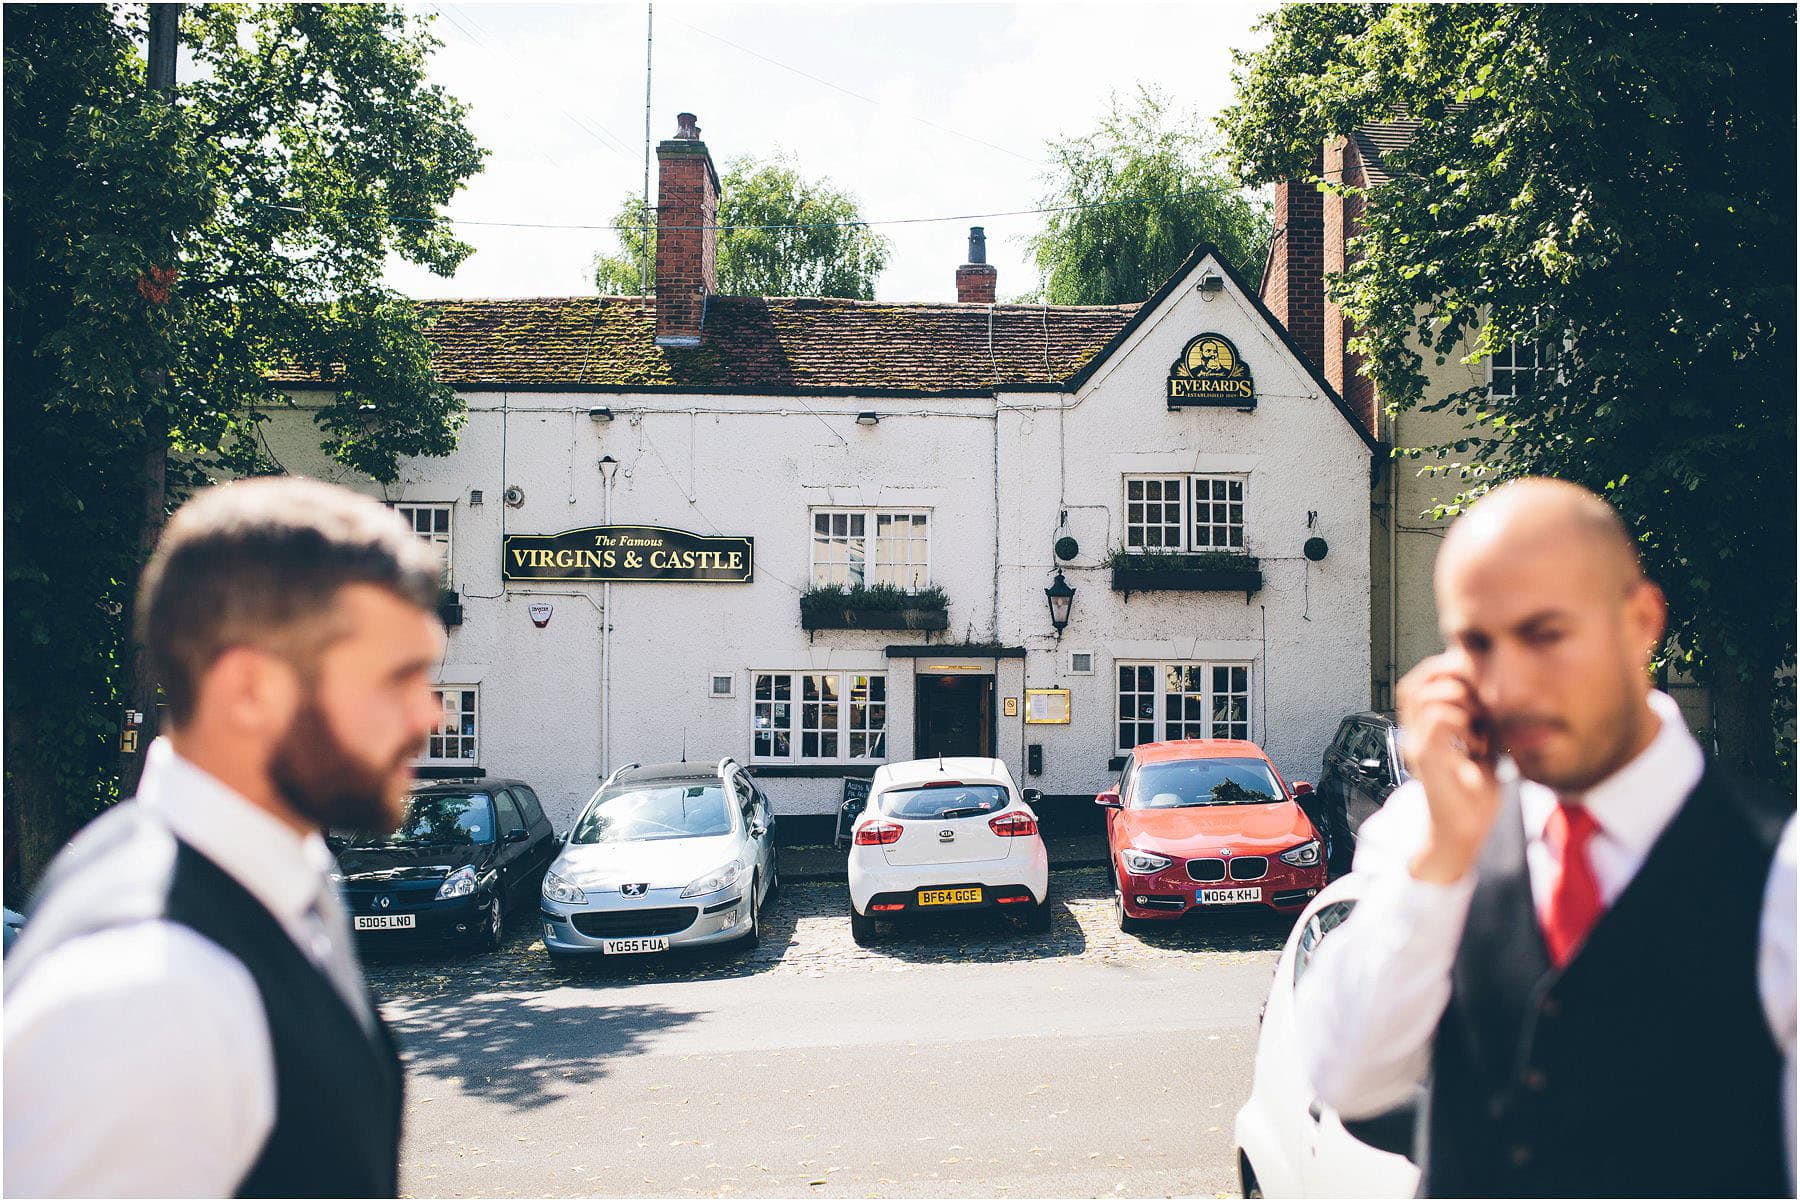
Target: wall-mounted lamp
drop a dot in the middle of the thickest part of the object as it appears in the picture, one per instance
(1062, 599)
(601, 414)
(1211, 284)
(868, 417)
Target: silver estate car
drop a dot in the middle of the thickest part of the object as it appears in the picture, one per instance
(663, 856)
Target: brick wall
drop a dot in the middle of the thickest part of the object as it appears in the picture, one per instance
(687, 197)
(975, 283)
(1295, 292)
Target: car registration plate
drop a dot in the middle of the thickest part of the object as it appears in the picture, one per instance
(385, 922)
(631, 947)
(1229, 897)
(949, 897)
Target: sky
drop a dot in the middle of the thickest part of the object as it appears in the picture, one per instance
(918, 110)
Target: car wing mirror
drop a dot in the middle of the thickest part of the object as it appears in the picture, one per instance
(1109, 799)
(758, 830)
(517, 834)
(1371, 767)
(1302, 788)
(1033, 796)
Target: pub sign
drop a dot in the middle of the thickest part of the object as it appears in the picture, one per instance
(1210, 372)
(654, 554)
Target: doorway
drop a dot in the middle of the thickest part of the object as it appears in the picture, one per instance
(953, 715)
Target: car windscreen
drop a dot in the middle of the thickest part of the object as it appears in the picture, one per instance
(944, 801)
(672, 810)
(1175, 783)
(434, 819)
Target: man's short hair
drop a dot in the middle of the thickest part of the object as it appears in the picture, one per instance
(259, 563)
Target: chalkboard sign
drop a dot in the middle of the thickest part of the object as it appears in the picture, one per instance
(856, 799)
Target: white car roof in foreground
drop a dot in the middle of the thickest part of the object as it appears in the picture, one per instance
(967, 769)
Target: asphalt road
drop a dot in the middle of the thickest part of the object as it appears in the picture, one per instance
(958, 1059)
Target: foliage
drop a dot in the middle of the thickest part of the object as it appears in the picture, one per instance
(781, 235)
(1615, 183)
(1181, 561)
(1119, 248)
(835, 598)
(160, 260)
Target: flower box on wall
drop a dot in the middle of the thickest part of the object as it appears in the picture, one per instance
(877, 608)
(1197, 572)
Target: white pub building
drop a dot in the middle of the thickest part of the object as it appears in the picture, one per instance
(816, 535)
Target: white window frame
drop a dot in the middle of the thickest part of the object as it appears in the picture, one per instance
(410, 510)
(872, 559)
(1093, 661)
(1209, 721)
(712, 684)
(1543, 364)
(841, 727)
(429, 760)
(1187, 506)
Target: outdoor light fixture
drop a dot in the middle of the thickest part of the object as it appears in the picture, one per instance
(1212, 282)
(868, 417)
(601, 414)
(1062, 598)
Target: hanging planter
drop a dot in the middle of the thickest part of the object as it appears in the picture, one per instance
(878, 607)
(1185, 572)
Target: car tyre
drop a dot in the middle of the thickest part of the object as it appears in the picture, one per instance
(1248, 1186)
(753, 935)
(493, 932)
(774, 875)
(862, 929)
(1127, 924)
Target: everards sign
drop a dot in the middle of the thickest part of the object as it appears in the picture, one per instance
(617, 553)
(1211, 372)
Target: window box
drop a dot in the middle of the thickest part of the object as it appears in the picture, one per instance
(878, 607)
(1189, 572)
(450, 607)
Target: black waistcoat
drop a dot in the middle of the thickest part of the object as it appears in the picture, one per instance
(337, 1089)
(1645, 1068)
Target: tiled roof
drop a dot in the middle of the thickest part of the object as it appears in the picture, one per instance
(1378, 139)
(754, 344)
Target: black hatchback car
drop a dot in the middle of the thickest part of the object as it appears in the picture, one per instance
(1362, 766)
(467, 854)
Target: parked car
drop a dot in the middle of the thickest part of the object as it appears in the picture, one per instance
(15, 923)
(1199, 823)
(942, 835)
(1291, 1145)
(467, 854)
(663, 856)
(1362, 767)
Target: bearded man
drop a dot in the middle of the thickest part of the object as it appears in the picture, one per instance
(1574, 931)
(185, 1014)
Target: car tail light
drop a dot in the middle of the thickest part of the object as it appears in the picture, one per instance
(1013, 900)
(884, 907)
(874, 834)
(1013, 825)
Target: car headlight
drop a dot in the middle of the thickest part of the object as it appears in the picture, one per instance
(715, 882)
(1143, 863)
(460, 883)
(1304, 856)
(557, 889)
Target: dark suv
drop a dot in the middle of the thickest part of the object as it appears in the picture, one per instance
(468, 853)
(1362, 766)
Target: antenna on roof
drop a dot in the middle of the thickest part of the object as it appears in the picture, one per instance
(940, 761)
(684, 744)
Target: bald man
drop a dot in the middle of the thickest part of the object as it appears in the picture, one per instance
(1572, 932)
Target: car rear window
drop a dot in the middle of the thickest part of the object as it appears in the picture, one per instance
(945, 801)
(674, 810)
(1175, 783)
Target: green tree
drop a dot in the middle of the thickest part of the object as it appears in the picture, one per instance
(160, 259)
(1617, 184)
(781, 235)
(1140, 192)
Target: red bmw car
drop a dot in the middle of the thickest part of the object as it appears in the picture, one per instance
(1199, 823)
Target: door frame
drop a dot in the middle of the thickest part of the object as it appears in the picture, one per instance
(993, 724)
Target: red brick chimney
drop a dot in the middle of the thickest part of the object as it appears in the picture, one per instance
(687, 207)
(975, 279)
(1294, 285)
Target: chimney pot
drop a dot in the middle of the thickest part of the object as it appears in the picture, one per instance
(977, 244)
(975, 279)
(685, 127)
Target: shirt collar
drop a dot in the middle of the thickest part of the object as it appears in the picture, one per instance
(283, 870)
(1634, 804)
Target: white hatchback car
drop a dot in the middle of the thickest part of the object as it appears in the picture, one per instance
(1291, 1145)
(946, 834)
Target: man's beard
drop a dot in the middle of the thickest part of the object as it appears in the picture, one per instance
(326, 782)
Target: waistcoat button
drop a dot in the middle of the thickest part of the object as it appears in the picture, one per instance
(1549, 1007)
(1534, 1080)
(1521, 1156)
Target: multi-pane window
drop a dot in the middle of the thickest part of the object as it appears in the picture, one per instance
(1184, 513)
(1515, 370)
(818, 716)
(1182, 701)
(431, 523)
(856, 547)
(454, 740)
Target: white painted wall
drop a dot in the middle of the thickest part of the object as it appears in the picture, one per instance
(752, 466)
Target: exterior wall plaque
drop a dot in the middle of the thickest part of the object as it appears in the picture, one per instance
(1210, 372)
(652, 554)
(1046, 707)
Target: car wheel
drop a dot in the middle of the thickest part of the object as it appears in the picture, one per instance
(493, 932)
(862, 929)
(1248, 1186)
(1127, 924)
(753, 935)
(774, 875)
(1039, 917)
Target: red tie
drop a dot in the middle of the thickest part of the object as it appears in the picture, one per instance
(1574, 904)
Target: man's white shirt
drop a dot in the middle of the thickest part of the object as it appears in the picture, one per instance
(138, 1060)
(1372, 997)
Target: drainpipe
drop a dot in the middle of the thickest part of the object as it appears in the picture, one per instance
(1393, 599)
(609, 467)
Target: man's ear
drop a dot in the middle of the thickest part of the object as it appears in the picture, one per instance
(250, 692)
(1647, 613)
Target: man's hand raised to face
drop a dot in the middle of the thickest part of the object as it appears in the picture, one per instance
(1448, 745)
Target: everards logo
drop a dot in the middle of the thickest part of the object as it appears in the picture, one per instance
(1211, 372)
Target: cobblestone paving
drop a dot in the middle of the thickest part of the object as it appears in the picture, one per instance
(806, 931)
